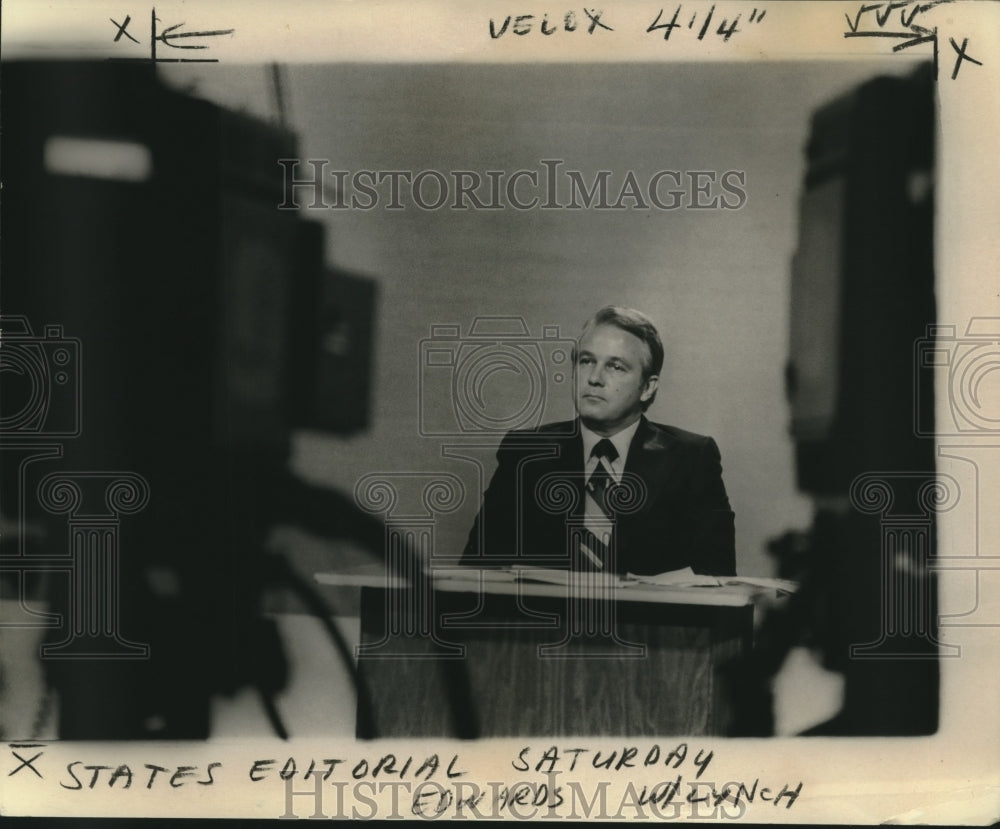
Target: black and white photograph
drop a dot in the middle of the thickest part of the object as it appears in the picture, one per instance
(483, 411)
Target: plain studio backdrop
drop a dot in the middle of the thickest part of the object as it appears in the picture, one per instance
(715, 281)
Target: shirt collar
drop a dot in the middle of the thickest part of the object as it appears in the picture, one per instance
(621, 440)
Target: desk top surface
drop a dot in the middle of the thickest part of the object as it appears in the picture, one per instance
(730, 593)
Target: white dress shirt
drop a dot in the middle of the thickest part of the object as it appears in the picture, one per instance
(621, 441)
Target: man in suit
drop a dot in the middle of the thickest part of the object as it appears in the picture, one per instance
(612, 490)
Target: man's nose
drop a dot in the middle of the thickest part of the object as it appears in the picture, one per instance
(595, 377)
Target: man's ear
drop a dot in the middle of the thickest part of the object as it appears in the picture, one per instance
(650, 389)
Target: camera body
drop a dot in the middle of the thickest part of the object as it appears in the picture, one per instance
(41, 386)
(494, 379)
(966, 367)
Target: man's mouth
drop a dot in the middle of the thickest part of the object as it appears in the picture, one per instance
(589, 396)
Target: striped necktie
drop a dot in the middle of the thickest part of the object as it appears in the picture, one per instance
(599, 517)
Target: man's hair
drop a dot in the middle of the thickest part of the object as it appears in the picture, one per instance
(638, 325)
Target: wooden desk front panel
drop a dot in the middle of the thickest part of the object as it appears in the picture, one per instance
(505, 685)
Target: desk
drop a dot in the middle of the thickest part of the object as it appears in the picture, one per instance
(463, 658)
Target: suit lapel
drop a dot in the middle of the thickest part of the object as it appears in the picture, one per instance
(568, 463)
(569, 452)
(565, 461)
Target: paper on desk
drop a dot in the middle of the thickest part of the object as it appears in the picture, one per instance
(685, 577)
(512, 574)
(546, 575)
(781, 585)
(475, 574)
(576, 577)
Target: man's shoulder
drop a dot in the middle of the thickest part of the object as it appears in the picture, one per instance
(651, 434)
(662, 435)
(564, 429)
(571, 429)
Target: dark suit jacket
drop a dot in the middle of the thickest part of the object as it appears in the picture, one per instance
(684, 519)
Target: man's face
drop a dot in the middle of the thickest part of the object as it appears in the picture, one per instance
(610, 388)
